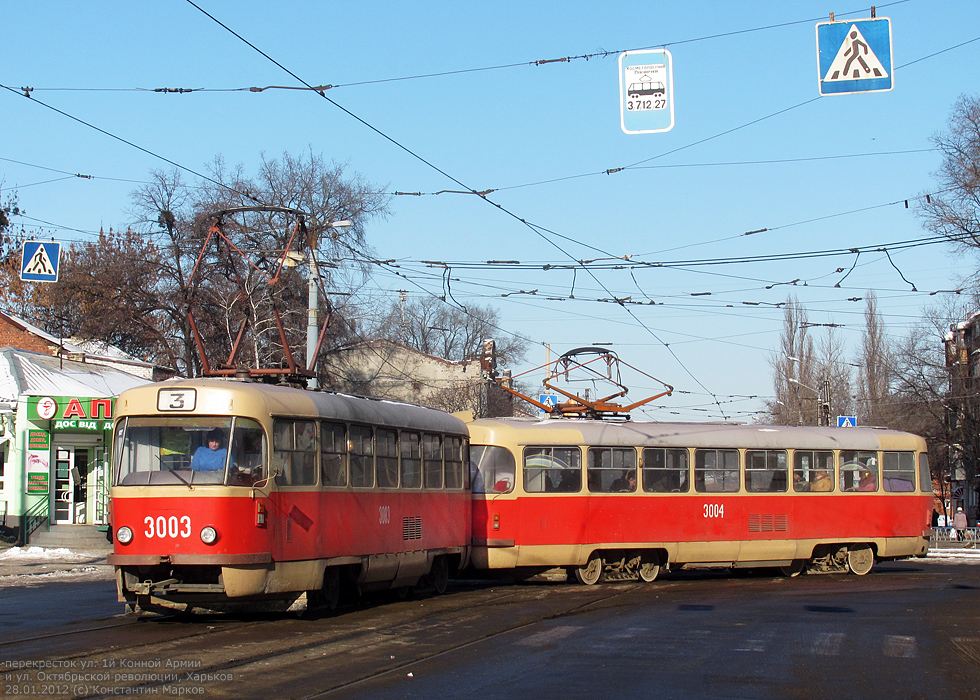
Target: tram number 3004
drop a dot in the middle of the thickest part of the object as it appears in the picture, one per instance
(714, 510)
(167, 527)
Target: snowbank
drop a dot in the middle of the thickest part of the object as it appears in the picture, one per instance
(42, 554)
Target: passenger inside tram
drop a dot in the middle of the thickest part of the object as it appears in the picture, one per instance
(822, 482)
(868, 482)
(626, 483)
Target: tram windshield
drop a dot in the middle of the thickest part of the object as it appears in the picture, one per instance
(171, 450)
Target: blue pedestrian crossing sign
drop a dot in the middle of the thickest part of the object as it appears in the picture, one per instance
(39, 261)
(855, 56)
(847, 421)
(549, 400)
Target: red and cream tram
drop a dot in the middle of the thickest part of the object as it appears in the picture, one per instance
(619, 500)
(231, 494)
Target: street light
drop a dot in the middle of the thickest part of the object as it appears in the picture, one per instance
(312, 325)
(823, 398)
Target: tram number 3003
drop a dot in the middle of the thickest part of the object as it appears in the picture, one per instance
(167, 527)
(714, 510)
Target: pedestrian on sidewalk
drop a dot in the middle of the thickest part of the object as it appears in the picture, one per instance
(959, 524)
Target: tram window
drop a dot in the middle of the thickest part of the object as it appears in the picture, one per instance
(246, 453)
(716, 471)
(766, 471)
(665, 471)
(552, 469)
(294, 452)
(411, 451)
(813, 471)
(925, 476)
(361, 456)
(386, 451)
(454, 462)
(858, 471)
(492, 469)
(898, 471)
(432, 461)
(612, 469)
(333, 454)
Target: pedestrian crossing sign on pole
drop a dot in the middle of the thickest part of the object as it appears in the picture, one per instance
(847, 421)
(549, 400)
(855, 56)
(39, 261)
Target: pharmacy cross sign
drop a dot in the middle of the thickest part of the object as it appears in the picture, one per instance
(855, 56)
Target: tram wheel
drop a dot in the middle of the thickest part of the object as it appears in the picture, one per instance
(648, 571)
(860, 559)
(591, 573)
(793, 570)
(439, 575)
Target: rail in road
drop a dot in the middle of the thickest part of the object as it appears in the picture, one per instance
(909, 629)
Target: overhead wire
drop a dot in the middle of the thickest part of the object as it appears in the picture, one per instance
(431, 165)
(424, 161)
(131, 144)
(464, 71)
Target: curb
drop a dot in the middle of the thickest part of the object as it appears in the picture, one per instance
(960, 552)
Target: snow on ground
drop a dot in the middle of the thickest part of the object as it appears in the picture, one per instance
(15, 554)
(78, 573)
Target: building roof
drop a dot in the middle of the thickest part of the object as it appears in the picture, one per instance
(76, 346)
(35, 374)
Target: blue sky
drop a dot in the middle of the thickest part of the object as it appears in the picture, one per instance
(751, 149)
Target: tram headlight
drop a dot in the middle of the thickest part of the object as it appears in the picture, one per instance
(124, 535)
(209, 535)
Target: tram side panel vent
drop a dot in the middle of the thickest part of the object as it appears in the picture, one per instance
(767, 523)
(412, 528)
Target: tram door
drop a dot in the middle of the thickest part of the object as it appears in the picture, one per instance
(71, 478)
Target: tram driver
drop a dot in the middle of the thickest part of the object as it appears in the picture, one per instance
(210, 457)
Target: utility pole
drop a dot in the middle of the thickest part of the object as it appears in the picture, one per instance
(488, 373)
(402, 296)
(313, 285)
(825, 402)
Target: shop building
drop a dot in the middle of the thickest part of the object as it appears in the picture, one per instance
(56, 409)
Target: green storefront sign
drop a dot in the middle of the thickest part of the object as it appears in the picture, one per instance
(37, 482)
(72, 413)
(38, 440)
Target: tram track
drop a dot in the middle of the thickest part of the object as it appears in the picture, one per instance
(321, 655)
(12, 643)
(339, 654)
(486, 638)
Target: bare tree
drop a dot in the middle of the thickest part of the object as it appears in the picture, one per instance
(228, 292)
(435, 327)
(929, 397)
(834, 371)
(794, 371)
(874, 371)
(955, 211)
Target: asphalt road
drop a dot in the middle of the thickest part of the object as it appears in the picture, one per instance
(907, 630)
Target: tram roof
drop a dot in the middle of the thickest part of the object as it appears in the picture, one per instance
(234, 397)
(711, 435)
